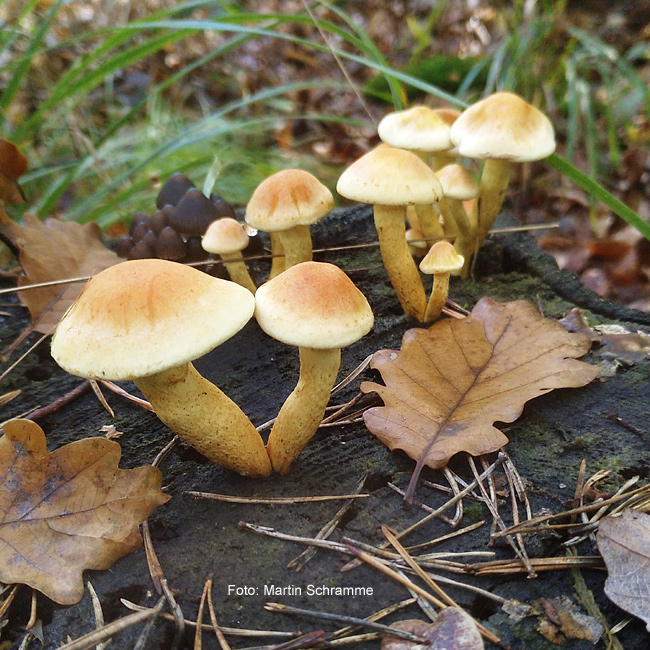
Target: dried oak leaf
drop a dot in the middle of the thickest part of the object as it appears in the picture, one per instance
(12, 164)
(56, 250)
(624, 543)
(447, 385)
(453, 629)
(67, 511)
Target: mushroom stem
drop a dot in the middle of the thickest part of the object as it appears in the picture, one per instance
(206, 419)
(438, 298)
(429, 223)
(236, 267)
(277, 261)
(296, 243)
(303, 410)
(492, 191)
(401, 269)
(452, 209)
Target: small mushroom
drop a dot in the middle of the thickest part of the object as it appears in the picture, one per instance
(441, 261)
(447, 157)
(193, 214)
(315, 306)
(392, 179)
(286, 204)
(147, 320)
(173, 190)
(226, 237)
(501, 129)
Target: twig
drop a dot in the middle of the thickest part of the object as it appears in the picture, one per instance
(8, 600)
(228, 498)
(122, 393)
(25, 354)
(93, 638)
(353, 375)
(198, 641)
(459, 504)
(230, 631)
(507, 567)
(326, 616)
(444, 538)
(60, 402)
(160, 582)
(418, 503)
(100, 396)
(97, 610)
(164, 451)
(223, 643)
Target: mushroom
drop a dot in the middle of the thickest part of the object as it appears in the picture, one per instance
(315, 306)
(459, 185)
(286, 204)
(442, 260)
(146, 320)
(447, 157)
(501, 129)
(227, 238)
(420, 130)
(173, 190)
(391, 179)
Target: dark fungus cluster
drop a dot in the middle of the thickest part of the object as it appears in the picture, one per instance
(174, 230)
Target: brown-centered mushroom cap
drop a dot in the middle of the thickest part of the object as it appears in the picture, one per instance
(417, 128)
(441, 258)
(224, 235)
(457, 183)
(314, 305)
(141, 317)
(289, 198)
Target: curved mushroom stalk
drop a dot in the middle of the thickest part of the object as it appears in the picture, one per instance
(438, 297)
(492, 191)
(303, 410)
(453, 210)
(401, 269)
(236, 267)
(296, 243)
(429, 222)
(206, 419)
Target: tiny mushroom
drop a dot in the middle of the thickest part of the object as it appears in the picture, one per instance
(226, 237)
(173, 190)
(146, 320)
(286, 204)
(315, 306)
(392, 179)
(501, 129)
(442, 260)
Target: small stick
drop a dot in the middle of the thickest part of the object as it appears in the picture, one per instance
(100, 396)
(32, 613)
(273, 500)
(99, 614)
(223, 643)
(539, 564)
(164, 451)
(198, 641)
(43, 285)
(132, 398)
(8, 600)
(326, 616)
(160, 582)
(25, 354)
(382, 613)
(444, 538)
(311, 541)
(343, 408)
(459, 504)
(353, 375)
(231, 631)
(418, 503)
(60, 402)
(97, 636)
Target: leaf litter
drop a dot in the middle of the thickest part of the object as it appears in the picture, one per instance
(448, 385)
(69, 510)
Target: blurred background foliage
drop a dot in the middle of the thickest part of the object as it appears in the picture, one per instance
(109, 97)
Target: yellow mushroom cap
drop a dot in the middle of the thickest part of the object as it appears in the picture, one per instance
(314, 305)
(224, 236)
(417, 128)
(141, 317)
(447, 115)
(442, 258)
(289, 198)
(457, 183)
(503, 126)
(390, 176)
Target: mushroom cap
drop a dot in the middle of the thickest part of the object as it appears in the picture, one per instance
(442, 258)
(314, 305)
(417, 128)
(503, 126)
(138, 318)
(390, 176)
(447, 115)
(289, 198)
(224, 236)
(457, 183)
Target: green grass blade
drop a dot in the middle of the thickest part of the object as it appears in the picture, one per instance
(600, 193)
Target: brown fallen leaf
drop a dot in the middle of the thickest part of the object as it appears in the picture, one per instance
(56, 250)
(453, 629)
(624, 543)
(561, 620)
(12, 164)
(447, 385)
(67, 511)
